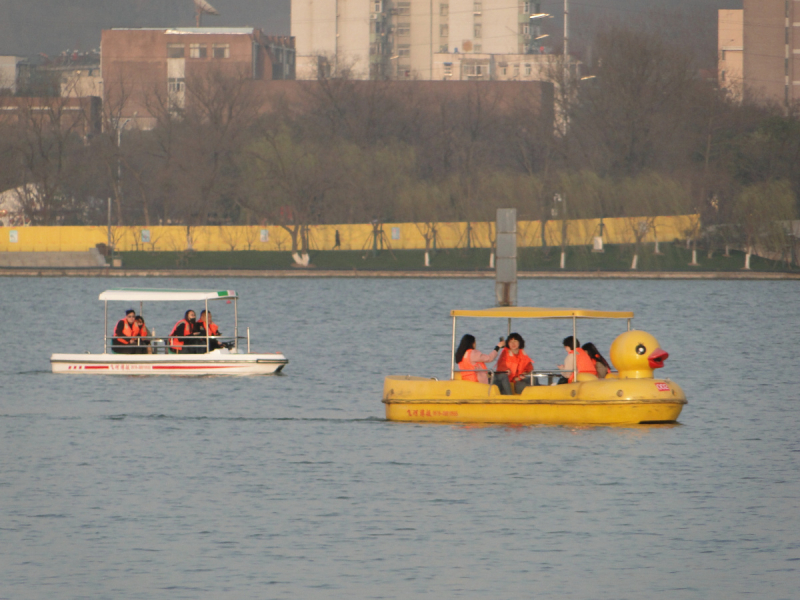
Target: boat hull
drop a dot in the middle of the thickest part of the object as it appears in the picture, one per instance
(213, 363)
(598, 402)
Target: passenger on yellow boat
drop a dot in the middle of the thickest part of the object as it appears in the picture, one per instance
(515, 362)
(600, 363)
(585, 364)
(473, 363)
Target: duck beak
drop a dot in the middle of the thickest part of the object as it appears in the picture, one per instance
(657, 358)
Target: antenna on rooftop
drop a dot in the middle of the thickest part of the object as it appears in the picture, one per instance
(200, 7)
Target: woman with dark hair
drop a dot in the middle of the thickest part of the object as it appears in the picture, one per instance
(579, 356)
(515, 363)
(142, 345)
(600, 363)
(473, 363)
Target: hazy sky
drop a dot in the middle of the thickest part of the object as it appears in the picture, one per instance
(28, 27)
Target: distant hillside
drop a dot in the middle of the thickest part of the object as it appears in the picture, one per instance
(28, 27)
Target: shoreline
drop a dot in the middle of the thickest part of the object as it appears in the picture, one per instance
(301, 273)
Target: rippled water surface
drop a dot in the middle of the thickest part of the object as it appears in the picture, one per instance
(296, 487)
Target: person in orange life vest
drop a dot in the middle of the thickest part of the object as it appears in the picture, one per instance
(600, 363)
(123, 341)
(182, 339)
(470, 360)
(140, 331)
(206, 323)
(585, 364)
(515, 362)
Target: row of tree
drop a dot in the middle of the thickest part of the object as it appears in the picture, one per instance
(642, 135)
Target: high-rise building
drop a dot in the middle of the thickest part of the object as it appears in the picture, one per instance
(769, 67)
(411, 39)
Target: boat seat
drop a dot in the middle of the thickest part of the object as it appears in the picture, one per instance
(586, 377)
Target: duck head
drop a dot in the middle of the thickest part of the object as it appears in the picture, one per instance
(635, 354)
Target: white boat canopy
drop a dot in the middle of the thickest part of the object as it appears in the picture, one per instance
(163, 295)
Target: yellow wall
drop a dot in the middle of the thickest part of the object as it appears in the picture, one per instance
(321, 237)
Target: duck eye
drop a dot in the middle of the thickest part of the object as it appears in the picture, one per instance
(640, 349)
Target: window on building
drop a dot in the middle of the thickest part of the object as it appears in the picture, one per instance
(477, 30)
(175, 51)
(221, 50)
(403, 29)
(378, 7)
(722, 75)
(516, 70)
(524, 29)
(176, 85)
(477, 6)
(448, 69)
(527, 69)
(443, 48)
(198, 51)
(505, 70)
(526, 8)
(404, 50)
(404, 8)
(477, 48)
(473, 70)
(444, 30)
(444, 10)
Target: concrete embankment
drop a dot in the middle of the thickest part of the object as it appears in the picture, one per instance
(300, 273)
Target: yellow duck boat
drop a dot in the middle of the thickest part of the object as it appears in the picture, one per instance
(630, 395)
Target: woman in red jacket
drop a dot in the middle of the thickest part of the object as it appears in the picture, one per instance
(515, 362)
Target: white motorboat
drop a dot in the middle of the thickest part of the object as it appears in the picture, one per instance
(157, 359)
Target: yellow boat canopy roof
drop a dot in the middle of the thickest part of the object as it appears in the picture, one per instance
(526, 312)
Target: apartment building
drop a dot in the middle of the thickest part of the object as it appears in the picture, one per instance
(140, 66)
(768, 57)
(411, 39)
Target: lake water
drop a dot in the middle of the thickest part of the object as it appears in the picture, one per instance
(295, 486)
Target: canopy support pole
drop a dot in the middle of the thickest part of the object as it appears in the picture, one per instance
(453, 352)
(236, 323)
(574, 349)
(105, 328)
(206, 327)
(509, 328)
(629, 324)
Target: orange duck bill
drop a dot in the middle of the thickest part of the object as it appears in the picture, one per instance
(657, 358)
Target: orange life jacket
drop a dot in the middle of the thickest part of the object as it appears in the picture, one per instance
(128, 331)
(466, 365)
(212, 328)
(516, 365)
(585, 364)
(176, 344)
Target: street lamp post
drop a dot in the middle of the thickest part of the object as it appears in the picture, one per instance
(121, 124)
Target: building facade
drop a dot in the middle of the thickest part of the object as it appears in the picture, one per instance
(405, 39)
(143, 66)
(769, 31)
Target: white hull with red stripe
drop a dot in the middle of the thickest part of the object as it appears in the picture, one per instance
(214, 363)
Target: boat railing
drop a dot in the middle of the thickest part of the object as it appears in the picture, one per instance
(154, 344)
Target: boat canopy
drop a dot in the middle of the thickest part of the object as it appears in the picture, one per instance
(526, 312)
(163, 295)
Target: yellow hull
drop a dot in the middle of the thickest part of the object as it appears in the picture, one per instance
(596, 402)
